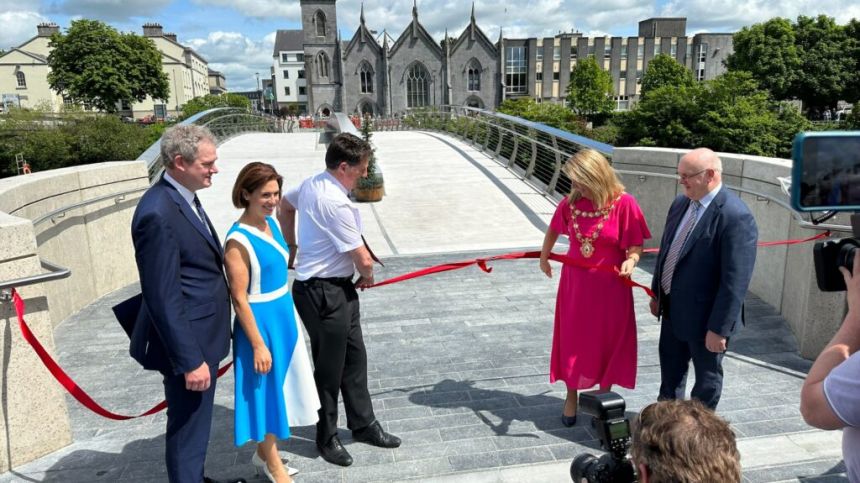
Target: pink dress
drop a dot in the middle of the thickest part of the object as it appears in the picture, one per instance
(594, 340)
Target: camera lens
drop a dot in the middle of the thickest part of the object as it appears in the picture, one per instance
(581, 466)
(846, 255)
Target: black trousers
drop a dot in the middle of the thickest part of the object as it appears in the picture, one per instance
(675, 357)
(189, 419)
(329, 309)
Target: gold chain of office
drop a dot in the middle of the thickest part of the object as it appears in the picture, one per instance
(586, 243)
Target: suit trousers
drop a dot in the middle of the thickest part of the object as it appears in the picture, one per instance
(189, 420)
(675, 356)
(329, 309)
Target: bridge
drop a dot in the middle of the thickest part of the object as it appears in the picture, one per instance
(458, 362)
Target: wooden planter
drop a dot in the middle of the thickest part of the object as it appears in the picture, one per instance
(369, 194)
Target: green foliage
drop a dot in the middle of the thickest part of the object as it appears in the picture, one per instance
(825, 70)
(211, 101)
(665, 118)
(374, 177)
(768, 50)
(589, 92)
(554, 115)
(852, 52)
(70, 140)
(853, 120)
(93, 64)
(663, 70)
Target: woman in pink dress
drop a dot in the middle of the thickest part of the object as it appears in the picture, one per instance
(594, 340)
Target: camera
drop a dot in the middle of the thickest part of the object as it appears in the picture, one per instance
(613, 429)
(826, 177)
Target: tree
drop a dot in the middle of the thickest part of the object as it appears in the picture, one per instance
(667, 118)
(825, 70)
(852, 53)
(663, 70)
(768, 51)
(554, 115)
(589, 92)
(211, 101)
(93, 64)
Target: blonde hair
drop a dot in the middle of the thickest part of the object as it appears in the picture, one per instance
(590, 169)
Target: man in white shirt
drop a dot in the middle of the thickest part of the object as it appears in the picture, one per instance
(332, 250)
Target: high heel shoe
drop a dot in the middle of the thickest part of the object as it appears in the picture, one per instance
(568, 421)
(263, 468)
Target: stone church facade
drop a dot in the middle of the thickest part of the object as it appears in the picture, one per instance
(413, 71)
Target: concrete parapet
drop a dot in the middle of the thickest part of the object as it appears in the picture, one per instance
(94, 241)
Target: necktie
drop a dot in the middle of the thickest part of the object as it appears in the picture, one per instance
(677, 245)
(202, 214)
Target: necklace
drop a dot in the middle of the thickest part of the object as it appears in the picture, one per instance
(586, 243)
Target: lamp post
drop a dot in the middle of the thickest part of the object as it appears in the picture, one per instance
(259, 94)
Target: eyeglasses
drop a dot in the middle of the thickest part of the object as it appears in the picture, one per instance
(685, 177)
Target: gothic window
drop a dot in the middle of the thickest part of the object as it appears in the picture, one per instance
(473, 76)
(319, 21)
(322, 65)
(22, 79)
(365, 74)
(417, 86)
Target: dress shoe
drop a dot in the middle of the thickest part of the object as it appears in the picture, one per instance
(334, 452)
(568, 421)
(206, 479)
(263, 468)
(374, 435)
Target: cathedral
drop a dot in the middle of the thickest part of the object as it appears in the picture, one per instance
(411, 71)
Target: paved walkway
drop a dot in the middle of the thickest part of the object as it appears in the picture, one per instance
(458, 362)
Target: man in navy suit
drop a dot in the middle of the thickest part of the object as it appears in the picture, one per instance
(183, 326)
(702, 275)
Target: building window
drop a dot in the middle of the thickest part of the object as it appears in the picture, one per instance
(366, 75)
(555, 76)
(624, 51)
(622, 74)
(286, 74)
(657, 44)
(515, 70)
(607, 50)
(539, 53)
(301, 74)
(322, 65)
(591, 50)
(473, 76)
(300, 57)
(640, 51)
(572, 52)
(285, 58)
(701, 56)
(417, 86)
(539, 76)
(287, 91)
(674, 51)
(639, 76)
(319, 21)
(622, 103)
(22, 80)
(302, 90)
(556, 53)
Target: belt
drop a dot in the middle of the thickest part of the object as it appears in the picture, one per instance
(335, 280)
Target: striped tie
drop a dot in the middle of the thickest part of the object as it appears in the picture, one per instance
(677, 245)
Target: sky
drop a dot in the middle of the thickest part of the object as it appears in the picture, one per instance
(237, 37)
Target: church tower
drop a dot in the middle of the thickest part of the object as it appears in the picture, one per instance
(322, 56)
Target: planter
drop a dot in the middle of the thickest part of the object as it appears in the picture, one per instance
(369, 194)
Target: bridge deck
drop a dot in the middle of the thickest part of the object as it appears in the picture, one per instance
(458, 362)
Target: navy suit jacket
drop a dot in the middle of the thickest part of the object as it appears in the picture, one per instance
(184, 317)
(714, 268)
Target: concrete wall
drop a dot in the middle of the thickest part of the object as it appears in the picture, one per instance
(784, 276)
(94, 241)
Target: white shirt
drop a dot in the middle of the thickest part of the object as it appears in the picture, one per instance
(329, 227)
(188, 196)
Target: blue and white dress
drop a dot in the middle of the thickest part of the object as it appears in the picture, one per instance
(285, 396)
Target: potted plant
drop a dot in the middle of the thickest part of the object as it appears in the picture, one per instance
(372, 187)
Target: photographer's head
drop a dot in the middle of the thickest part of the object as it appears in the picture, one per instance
(684, 442)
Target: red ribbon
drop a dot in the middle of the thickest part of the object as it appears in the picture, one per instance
(60, 375)
(82, 397)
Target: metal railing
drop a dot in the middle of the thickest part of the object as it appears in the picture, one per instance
(536, 153)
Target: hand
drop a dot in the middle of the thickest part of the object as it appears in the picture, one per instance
(198, 379)
(364, 282)
(627, 267)
(545, 267)
(715, 342)
(262, 359)
(291, 262)
(852, 285)
(654, 307)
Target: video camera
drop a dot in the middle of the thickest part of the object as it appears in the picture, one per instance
(826, 177)
(613, 428)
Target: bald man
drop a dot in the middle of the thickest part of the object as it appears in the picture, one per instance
(701, 278)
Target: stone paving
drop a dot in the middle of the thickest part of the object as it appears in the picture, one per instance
(458, 367)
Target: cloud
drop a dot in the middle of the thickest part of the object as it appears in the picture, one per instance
(258, 8)
(18, 27)
(237, 56)
(110, 10)
(732, 15)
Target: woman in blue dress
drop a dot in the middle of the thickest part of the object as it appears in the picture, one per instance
(274, 380)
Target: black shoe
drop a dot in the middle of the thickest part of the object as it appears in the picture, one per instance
(568, 421)
(334, 452)
(206, 479)
(374, 435)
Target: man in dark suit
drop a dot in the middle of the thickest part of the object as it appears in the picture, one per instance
(183, 325)
(702, 274)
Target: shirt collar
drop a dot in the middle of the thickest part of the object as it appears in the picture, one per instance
(708, 198)
(327, 174)
(186, 194)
